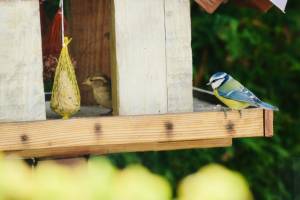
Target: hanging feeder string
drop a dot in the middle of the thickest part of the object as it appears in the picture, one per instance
(61, 5)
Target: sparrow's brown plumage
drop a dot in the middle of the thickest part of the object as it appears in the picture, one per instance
(101, 89)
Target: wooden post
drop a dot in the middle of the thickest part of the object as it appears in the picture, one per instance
(90, 29)
(179, 56)
(152, 66)
(21, 79)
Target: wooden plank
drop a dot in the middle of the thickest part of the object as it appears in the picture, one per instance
(140, 57)
(21, 80)
(113, 60)
(268, 123)
(179, 56)
(129, 130)
(89, 24)
(108, 149)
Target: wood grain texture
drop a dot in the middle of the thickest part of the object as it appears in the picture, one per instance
(90, 23)
(152, 66)
(268, 120)
(105, 132)
(21, 79)
(70, 152)
(179, 56)
(140, 57)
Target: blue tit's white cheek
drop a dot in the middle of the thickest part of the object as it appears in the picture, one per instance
(217, 83)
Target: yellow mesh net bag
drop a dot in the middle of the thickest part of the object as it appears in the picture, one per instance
(65, 99)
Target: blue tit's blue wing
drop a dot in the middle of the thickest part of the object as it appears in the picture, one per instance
(232, 89)
(241, 94)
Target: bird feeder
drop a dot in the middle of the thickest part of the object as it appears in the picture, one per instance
(145, 47)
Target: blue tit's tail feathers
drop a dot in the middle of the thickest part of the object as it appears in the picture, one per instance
(267, 106)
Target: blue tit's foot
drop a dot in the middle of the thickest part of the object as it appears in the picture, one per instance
(225, 110)
(240, 112)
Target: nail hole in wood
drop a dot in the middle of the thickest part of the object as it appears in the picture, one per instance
(97, 129)
(169, 127)
(24, 138)
(230, 127)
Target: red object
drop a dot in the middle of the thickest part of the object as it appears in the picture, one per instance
(263, 5)
(44, 19)
(209, 5)
(52, 43)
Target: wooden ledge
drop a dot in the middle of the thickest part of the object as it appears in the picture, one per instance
(132, 133)
(70, 152)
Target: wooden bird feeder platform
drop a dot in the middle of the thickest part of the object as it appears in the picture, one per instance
(103, 135)
(146, 47)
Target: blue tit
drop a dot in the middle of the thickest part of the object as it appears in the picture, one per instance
(234, 94)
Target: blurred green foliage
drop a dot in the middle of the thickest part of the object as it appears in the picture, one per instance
(263, 52)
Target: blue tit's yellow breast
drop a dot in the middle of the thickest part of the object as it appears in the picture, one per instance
(238, 105)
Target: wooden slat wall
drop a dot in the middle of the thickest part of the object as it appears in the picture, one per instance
(21, 79)
(89, 25)
(140, 77)
(153, 59)
(179, 56)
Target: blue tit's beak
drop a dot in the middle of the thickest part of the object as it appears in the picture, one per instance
(209, 83)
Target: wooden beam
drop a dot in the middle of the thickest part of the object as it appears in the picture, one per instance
(140, 63)
(108, 133)
(268, 123)
(152, 57)
(179, 56)
(70, 152)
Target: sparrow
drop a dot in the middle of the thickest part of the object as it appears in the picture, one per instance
(101, 87)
